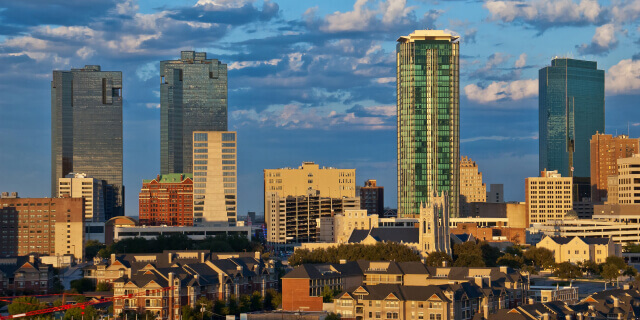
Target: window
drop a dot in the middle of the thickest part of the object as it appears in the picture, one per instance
(228, 137)
(200, 137)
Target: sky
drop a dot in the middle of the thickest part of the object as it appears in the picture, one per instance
(309, 80)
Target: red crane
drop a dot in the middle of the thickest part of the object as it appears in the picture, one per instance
(82, 304)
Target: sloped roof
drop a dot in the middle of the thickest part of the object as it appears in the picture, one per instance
(324, 270)
(387, 234)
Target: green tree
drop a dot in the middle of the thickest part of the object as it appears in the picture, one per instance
(232, 305)
(567, 270)
(630, 271)
(328, 294)
(82, 285)
(245, 304)
(541, 258)
(269, 303)
(590, 267)
(510, 260)
(103, 286)
(333, 316)
(610, 272)
(26, 304)
(89, 312)
(390, 251)
(490, 254)
(438, 258)
(515, 250)
(256, 301)
(616, 261)
(467, 254)
(187, 313)
(632, 247)
(219, 306)
(91, 248)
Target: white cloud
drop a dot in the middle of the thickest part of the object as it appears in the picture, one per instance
(624, 77)
(73, 32)
(85, 52)
(148, 71)
(237, 65)
(533, 136)
(385, 80)
(295, 61)
(364, 16)
(502, 90)
(224, 3)
(27, 42)
(522, 61)
(545, 11)
(152, 105)
(603, 40)
(128, 8)
(626, 11)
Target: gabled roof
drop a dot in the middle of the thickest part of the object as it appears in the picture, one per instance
(387, 234)
(324, 270)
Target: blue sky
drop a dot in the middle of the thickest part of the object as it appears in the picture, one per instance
(309, 81)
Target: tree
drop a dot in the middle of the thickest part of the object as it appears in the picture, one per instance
(616, 261)
(490, 254)
(89, 312)
(389, 251)
(630, 271)
(567, 270)
(590, 267)
(632, 247)
(269, 302)
(610, 272)
(103, 286)
(232, 306)
(91, 249)
(256, 301)
(82, 285)
(540, 258)
(332, 316)
(438, 259)
(328, 294)
(511, 261)
(187, 313)
(514, 250)
(26, 304)
(467, 254)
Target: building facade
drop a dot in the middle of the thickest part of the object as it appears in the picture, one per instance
(571, 111)
(215, 172)
(79, 185)
(47, 226)
(167, 200)
(428, 92)
(605, 152)
(330, 182)
(86, 130)
(548, 197)
(193, 97)
(495, 194)
(579, 249)
(472, 189)
(24, 275)
(372, 197)
(628, 187)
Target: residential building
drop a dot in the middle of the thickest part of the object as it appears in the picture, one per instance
(571, 111)
(579, 249)
(553, 293)
(629, 180)
(548, 197)
(372, 198)
(167, 200)
(46, 226)
(193, 97)
(215, 173)
(79, 185)
(605, 151)
(472, 189)
(293, 219)
(495, 193)
(23, 275)
(86, 130)
(428, 92)
(192, 232)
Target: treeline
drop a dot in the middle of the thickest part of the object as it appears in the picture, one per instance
(221, 243)
(380, 251)
(235, 305)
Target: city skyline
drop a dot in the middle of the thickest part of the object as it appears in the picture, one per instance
(326, 79)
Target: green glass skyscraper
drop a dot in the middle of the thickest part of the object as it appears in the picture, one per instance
(428, 92)
(193, 97)
(571, 110)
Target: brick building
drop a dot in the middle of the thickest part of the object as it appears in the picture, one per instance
(167, 200)
(22, 275)
(605, 151)
(372, 198)
(491, 233)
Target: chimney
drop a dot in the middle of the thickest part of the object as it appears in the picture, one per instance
(239, 268)
(478, 281)
(545, 316)
(567, 317)
(202, 257)
(32, 258)
(343, 261)
(181, 177)
(503, 269)
(616, 302)
(485, 310)
(170, 257)
(532, 300)
(113, 257)
(444, 263)
(626, 287)
(257, 255)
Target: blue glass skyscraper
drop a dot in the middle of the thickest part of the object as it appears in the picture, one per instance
(571, 110)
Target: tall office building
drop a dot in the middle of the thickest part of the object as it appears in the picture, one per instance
(79, 185)
(215, 175)
(605, 151)
(628, 180)
(472, 189)
(193, 97)
(86, 130)
(428, 91)
(548, 197)
(571, 110)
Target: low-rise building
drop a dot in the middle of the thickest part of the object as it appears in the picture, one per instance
(24, 275)
(579, 249)
(619, 232)
(193, 232)
(553, 293)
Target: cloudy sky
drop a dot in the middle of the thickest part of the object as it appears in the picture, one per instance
(309, 80)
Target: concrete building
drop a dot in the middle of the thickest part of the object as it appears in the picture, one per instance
(579, 249)
(330, 182)
(167, 200)
(472, 189)
(215, 174)
(345, 223)
(79, 185)
(514, 213)
(47, 226)
(548, 197)
(86, 130)
(605, 151)
(619, 232)
(192, 232)
(193, 97)
(612, 190)
(372, 198)
(428, 88)
(629, 180)
(495, 193)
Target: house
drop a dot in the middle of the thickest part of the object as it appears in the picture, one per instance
(580, 249)
(23, 275)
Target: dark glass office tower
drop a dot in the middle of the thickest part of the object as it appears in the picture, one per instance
(193, 97)
(428, 92)
(571, 110)
(86, 130)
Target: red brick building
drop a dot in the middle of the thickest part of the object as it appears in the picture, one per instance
(167, 200)
(491, 234)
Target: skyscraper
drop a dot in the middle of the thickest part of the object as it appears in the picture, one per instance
(571, 110)
(86, 130)
(605, 151)
(193, 97)
(428, 119)
(472, 189)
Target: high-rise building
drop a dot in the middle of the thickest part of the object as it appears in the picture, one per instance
(167, 200)
(571, 111)
(548, 197)
(215, 175)
(372, 197)
(471, 187)
(629, 180)
(605, 151)
(428, 91)
(495, 193)
(79, 185)
(193, 97)
(48, 226)
(86, 130)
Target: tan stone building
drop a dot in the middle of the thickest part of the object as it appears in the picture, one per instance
(548, 197)
(579, 249)
(79, 185)
(48, 226)
(515, 213)
(629, 180)
(605, 151)
(215, 173)
(472, 189)
(351, 220)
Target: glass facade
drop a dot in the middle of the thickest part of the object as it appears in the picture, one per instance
(193, 97)
(571, 110)
(86, 130)
(428, 119)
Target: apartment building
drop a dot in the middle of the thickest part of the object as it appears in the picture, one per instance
(21, 275)
(80, 185)
(629, 180)
(372, 197)
(548, 197)
(579, 249)
(167, 200)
